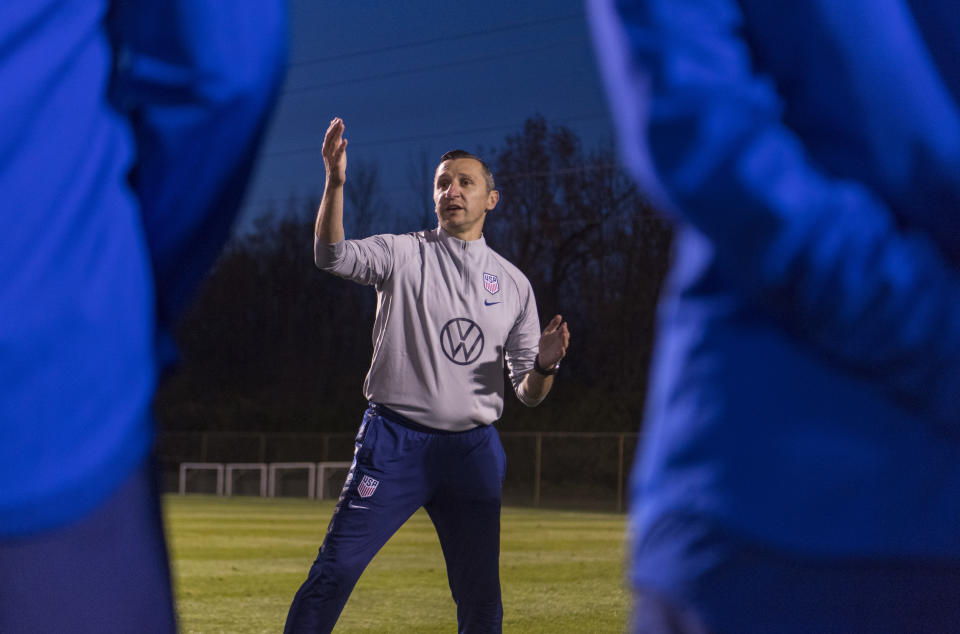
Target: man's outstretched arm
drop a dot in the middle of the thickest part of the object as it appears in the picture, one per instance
(367, 261)
(329, 224)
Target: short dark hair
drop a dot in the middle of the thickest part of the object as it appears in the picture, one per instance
(461, 154)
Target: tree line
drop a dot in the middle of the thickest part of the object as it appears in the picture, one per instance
(273, 344)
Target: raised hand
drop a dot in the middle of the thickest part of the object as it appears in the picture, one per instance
(335, 153)
(553, 342)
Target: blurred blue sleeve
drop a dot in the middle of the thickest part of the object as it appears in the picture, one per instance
(197, 80)
(824, 256)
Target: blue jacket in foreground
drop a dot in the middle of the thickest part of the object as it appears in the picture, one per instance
(806, 390)
(127, 133)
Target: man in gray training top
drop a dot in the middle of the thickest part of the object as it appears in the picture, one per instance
(449, 312)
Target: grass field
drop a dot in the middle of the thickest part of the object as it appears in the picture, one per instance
(238, 561)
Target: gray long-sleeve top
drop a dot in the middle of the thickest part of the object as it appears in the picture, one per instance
(449, 313)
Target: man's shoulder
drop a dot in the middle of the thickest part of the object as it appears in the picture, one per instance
(396, 241)
(401, 247)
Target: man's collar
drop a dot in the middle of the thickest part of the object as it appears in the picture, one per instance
(456, 243)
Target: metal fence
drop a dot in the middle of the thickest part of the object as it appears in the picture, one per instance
(577, 470)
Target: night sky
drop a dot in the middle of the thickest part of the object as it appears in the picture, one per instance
(415, 78)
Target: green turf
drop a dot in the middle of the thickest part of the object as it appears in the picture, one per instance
(238, 561)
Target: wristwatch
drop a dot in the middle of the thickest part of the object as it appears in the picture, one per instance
(542, 370)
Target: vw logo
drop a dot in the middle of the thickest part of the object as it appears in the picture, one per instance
(461, 340)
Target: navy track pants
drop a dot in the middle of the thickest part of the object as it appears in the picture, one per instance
(398, 467)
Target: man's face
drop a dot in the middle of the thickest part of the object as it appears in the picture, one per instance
(462, 198)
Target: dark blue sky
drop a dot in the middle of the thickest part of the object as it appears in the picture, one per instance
(423, 76)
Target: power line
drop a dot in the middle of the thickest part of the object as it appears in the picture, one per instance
(576, 169)
(504, 177)
(437, 40)
(420, 69)
(430, 135)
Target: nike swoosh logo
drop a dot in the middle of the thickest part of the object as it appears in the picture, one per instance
(489, 303)
(357, 506)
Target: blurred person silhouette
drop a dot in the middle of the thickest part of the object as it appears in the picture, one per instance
(127, 134)
(800, 470)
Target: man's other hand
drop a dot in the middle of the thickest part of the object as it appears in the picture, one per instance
(554, 342)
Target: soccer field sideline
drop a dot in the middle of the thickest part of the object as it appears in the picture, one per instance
(238, 561)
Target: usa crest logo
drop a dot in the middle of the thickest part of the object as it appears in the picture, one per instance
(491, 283)
(367, 486)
